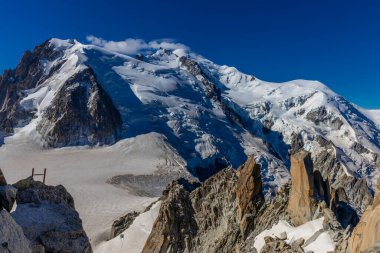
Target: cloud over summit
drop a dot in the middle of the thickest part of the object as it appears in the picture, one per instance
(133, 46)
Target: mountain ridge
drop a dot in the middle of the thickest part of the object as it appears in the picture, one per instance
(248, 100)
(202, 116)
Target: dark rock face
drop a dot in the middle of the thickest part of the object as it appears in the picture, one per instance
(297, 144)
(321, 116)
(27, 75)
(12, 238)
(2, 179)
(7, 197)
(211, 89)
(123, 223)
(81, 114)
(345, 214)
(30, 191)
(48, 218)
(332, 172)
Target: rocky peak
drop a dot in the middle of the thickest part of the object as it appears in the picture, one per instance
(175, 226)
(248, 193)
(302, 196)
(367, 233)
(27, 75)
(223, 211)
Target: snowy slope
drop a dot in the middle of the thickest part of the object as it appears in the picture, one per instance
(321, 243)
(176, 118)
(374, 115)
(132, 239)
(155, 92)
(84, 173)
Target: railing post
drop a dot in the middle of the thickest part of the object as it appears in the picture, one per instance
(44, 175)
(32, 172)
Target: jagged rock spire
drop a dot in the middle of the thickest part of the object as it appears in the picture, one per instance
(302, 196)
(248, 193)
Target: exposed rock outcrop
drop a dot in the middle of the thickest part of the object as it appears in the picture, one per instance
(277, 245)
(7, 197)
(222, 212)
(211, 89)
(302, 204)
(81, 114)
(123, 223)
(333, 173)
(48, 218)
(2, 179)
(248, 194)
(175, 226)
(28, 74)
(228, 211)
(367, 233)
(343, 211)
(12, 238)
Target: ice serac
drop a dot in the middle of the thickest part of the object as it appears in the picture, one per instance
(80, 114)
(302, 202)
(48, 218)
(367, 233)
(248, 194)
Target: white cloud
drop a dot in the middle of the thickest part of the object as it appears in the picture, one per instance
(133, 46)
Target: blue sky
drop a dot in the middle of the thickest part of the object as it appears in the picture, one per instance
(334, 41)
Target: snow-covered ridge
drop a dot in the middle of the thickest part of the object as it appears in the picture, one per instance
(320, 243)
(173, 120)
(154, 93)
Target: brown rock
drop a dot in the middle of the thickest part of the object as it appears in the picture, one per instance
(367, 233)
(302, 198)
(248, 194)
(276, 245)
(376, 200)
(175, 226)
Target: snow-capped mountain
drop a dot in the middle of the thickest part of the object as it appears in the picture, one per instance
(211, 114)
(115, 127)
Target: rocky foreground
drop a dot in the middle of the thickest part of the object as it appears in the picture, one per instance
(228, 213)
(45, 219)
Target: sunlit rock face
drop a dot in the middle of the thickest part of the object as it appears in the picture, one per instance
(367, 233)
(302, 202)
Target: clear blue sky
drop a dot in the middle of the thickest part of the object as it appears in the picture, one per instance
(334, 41)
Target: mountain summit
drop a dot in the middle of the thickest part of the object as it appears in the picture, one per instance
(65, 95)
